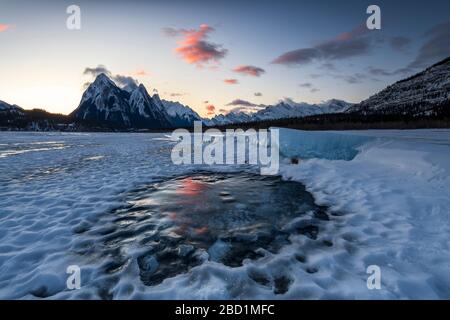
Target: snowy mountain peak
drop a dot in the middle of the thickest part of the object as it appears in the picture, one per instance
(104, 101)
(103, 80)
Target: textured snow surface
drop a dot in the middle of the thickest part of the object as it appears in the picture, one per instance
(389, 207)
(395, 199)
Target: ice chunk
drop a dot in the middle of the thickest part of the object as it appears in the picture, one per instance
(330, 145)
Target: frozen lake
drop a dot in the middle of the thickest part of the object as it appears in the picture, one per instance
(140, 227)
(116, 206)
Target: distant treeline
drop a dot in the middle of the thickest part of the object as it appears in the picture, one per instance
(437, 117)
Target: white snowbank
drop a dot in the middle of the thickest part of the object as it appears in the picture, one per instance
(394, 197)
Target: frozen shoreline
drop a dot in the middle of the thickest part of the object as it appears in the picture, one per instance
(394, 194)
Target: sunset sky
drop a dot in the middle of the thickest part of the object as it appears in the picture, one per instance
(207, 54)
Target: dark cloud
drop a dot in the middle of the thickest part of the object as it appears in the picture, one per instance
(329, 66)
(335, 50)
(436, 47)
(310, 86)
(176, 94)
(298, 57)
(351, 79)
(121, 80)
(249, 70)
(258, 94)
(244, 106)
(399, 43)
(172, 32)
(194, 48)
(125, 82)
(94, 72)
(379, 72)
(86, 85)
(241, 109)
(346, 45)
(240, 102)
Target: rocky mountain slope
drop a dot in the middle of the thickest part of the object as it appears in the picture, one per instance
(180, 115)
(418, 95)
(104, 101)
(8, 108)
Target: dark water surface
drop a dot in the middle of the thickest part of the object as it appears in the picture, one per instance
(225, 218)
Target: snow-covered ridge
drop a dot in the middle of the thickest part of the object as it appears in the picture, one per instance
(180, 114)
(416, 95)
(133, 107)
(6, 107)
(287, 108)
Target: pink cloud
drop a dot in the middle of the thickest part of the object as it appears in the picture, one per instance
(211, 109)
(230, 81)
(358, 31)
(249, 70)
(142, 73)
(194, 48)
(4, 27)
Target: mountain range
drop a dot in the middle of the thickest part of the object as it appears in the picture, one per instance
(282, 110)
(104, 104)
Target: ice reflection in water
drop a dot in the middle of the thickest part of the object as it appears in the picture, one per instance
(225, 218)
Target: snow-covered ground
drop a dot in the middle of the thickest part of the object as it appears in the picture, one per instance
(394, 197)
(389, 203)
